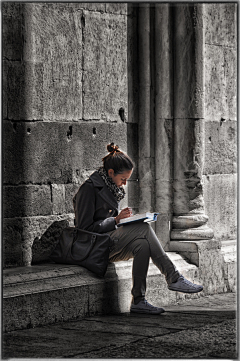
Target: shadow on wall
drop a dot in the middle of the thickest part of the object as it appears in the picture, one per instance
(43, 247)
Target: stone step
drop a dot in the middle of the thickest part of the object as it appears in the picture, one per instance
(48, 293)
(229, 253)
(229, 250)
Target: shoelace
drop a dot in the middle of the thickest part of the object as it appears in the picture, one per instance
(149, 305)
(188, 282)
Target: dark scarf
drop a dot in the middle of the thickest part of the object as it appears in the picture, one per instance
(118, 192)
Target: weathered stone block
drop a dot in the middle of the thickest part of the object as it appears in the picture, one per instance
(45, 152)
(145, 199)
(22, 201)
(230, 275)
(157, 291)
(23, 84)
(117, 8)
(132, 150)
(20, 233)
(71, 300)
(61, 31)
(12, 40)
(12, 243)
(11, 9)
(132, 147)
(58, 198)
(211, 271)
(103, 297)
(49, 77)
(101, 7)
(229, 253)
(37, 153)
(132, 63)
(125, 201)
(105, 66)
(162, 229)
(164, 194)
(220, 82)
(187, 249)
(220, 196)
(81, 175)
(13, 86)
(220, 147)
(70, 191)
(45, 307)
(206, 254)
(89, 145)
(118, 133)
(220, 23)
(133, 194)
(4, 89)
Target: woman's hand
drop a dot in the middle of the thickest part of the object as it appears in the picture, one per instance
(126, 212)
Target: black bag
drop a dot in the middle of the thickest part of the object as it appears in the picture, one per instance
(83, 248)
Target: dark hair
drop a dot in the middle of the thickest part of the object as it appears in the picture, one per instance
(117, 160)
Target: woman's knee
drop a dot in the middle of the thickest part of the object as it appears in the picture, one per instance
(141, 245)
(141, 229)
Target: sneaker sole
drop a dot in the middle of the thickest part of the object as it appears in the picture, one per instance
(187, 291)
(148, 312)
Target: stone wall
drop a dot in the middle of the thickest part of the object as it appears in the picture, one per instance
(77, 76)
(220, 178)
(64, 81)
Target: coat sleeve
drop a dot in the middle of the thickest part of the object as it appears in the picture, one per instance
(84, 208)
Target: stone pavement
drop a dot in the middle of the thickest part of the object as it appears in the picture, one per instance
(200, 328)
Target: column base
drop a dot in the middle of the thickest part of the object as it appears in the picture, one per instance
(197, 233)
(191, 227)
(189, 221)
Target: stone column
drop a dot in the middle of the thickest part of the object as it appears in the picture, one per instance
(163, 120)
(145, 172)
(189, 218)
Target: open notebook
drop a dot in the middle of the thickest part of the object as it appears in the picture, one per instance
(143, 217)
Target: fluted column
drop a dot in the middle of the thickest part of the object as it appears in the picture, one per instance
(163, 119)
(189, 218)
(145, 171)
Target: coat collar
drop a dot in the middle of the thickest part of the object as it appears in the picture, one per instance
(97, 180)
(105, 193)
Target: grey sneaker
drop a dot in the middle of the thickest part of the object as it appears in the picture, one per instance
(145, 307)
(185, 286)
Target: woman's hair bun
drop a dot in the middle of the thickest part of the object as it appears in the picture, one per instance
(112, 148)
(117, 160)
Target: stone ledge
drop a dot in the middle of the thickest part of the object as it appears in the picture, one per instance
(229, 253)
(48, 293)
(216, 261)
(190, 249)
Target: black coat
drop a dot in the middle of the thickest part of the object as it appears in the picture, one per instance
(95, 206)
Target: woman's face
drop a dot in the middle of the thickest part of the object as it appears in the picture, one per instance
(121, 178)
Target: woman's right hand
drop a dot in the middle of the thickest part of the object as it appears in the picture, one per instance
(126, 212)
